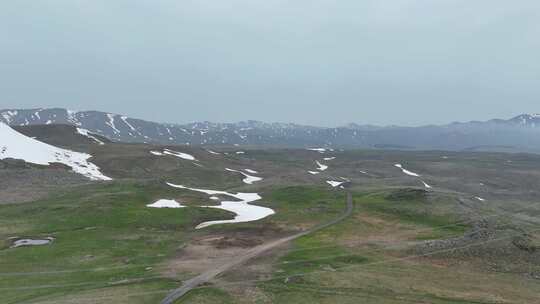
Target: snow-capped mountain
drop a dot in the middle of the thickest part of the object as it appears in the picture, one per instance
(122, 128)
(528, 120)
(15, 145)
(520, 133)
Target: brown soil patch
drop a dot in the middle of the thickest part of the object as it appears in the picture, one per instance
(377, 231)
(206, 252)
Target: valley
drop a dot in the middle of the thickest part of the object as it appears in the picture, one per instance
(253, 221)
(269, 152)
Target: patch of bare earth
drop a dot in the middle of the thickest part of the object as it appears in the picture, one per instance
(380, 232)
(210, 251)
(248, 294)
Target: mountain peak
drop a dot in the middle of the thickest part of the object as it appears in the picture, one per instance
(530, 120)
(515, 132)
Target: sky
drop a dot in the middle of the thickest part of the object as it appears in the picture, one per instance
(317, 62)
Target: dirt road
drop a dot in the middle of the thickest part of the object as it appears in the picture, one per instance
(210, 274)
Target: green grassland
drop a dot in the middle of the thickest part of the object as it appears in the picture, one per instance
(110, 248)
(103, 233)
(106, 239)
(338, 265)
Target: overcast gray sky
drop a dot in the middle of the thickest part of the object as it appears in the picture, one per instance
(320, 62)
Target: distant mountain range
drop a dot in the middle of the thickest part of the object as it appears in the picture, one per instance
(518, 134)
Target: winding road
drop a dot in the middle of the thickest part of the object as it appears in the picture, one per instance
(210, 274)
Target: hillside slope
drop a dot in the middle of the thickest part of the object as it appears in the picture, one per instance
(519, 134)
(17, 146)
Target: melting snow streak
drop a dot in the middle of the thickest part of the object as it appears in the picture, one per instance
(321, 167)
(407, 171)
(242, 208)
(87, 133)
(249, 179)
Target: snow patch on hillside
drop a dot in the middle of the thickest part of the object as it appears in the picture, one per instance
(249, 179)
(213, 152)
(426, 185)
(130, 126)
(165, 203)
(407, 171)
(242, 208)
(8, 115)
(174, 153)
(87, 133)
(111, 124)
(179, 154)
(321, 167)
(334, 183)
(18, 146)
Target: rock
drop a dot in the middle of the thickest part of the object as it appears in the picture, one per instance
(524, 242)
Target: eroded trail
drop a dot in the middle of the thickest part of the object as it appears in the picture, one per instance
(210, 274)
